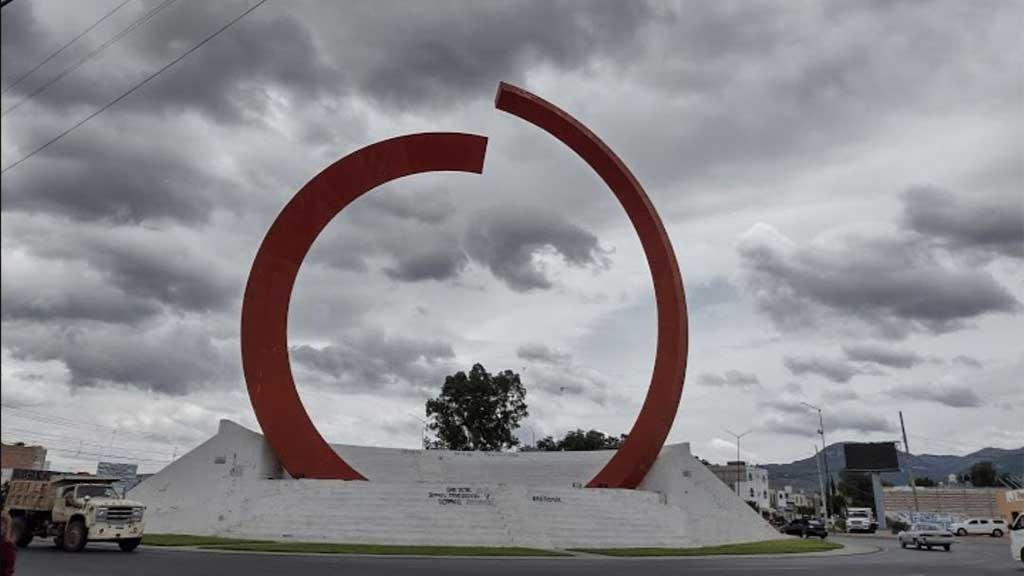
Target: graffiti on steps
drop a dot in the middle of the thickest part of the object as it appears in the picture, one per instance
(462, 496)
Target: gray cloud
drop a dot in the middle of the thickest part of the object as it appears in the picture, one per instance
(61, 292)
(506, 241)
(439, 264)
(882, 355)
(540, 353)
(113, 177)
(796, 420)
(985, 224)
(175, 359)
(731, 378)
(968, 361)
(144, 265)
(426, 61)
(834, 370)
(234, 77)
(372, 362)
(952, 396)
(857, 421)
(895, 286)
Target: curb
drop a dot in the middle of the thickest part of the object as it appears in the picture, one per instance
(846, 550)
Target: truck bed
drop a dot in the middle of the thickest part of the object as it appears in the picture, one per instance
(29, 495)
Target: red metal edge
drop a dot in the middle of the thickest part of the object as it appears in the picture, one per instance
(630, 464)
(303, 452)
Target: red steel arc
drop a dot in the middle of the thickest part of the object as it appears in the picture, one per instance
(295, 440)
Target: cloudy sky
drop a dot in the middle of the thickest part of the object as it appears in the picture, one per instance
(842, 182)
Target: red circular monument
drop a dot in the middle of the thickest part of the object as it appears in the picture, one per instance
(295, 440)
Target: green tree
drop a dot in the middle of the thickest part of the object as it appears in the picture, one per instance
(578, 441)
(857, 489)
(477, 411)
(983, 474)
(924, 482)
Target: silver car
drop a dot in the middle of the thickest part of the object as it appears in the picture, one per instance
(926, 536)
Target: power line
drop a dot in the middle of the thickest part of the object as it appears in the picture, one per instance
(135, 87)
(64, 47)
(45, 437)
(117, 37)
(71, 424)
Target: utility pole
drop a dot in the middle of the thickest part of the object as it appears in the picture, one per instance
(738, 471)
(821, 479)
(910, 469)
(824, 457)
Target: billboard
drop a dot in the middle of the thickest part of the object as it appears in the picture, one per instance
(871, 457)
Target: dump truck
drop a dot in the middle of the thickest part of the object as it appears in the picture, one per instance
(72, 509)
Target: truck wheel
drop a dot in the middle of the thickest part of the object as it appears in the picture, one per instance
(21, 531)
(129, 544)
(75, 536)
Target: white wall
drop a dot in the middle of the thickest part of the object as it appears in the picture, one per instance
(232, 485)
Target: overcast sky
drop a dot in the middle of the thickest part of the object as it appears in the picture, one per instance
(842, 183)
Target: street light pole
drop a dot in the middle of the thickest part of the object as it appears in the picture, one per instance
(827, 493)
(738, 436)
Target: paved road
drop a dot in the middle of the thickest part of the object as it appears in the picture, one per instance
(975, 556)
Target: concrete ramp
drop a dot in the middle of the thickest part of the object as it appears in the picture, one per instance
(232, 485)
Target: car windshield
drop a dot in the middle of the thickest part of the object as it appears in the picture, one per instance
(858, 514)
(926, 527)
(96, 491)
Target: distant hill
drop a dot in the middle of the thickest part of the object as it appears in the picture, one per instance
(804, 473)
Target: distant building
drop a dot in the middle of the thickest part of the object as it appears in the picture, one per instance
(125, 473)
(789, 502)
(18, 455)
(1011, 505)
(753, 482)
(944, 505)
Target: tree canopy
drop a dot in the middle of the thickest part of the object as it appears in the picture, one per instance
(983, 474)
(578, 440)
(477, 411)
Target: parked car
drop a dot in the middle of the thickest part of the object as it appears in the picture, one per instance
(805, 528)
(1017, 539)
(995, 527)
(926, 536)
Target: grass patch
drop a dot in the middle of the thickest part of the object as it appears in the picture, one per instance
(788, 546)
(192, 540)
(331, 548)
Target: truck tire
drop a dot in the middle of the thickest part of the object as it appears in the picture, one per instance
(129, 544)
(75, 536)
(21, 531)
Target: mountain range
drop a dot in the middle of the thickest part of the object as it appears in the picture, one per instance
(804, 473)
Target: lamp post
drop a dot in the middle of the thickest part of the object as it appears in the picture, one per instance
(738, 436)
(824, 456)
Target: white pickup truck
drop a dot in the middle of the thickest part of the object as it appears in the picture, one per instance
(860, 520)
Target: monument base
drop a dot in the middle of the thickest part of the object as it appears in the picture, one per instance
(232, 485)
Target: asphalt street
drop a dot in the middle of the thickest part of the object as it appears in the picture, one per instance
(970, 556)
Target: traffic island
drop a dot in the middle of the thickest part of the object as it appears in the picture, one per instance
(214, 543)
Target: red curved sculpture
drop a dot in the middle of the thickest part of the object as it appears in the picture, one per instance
(295, 440)
(630, 464)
